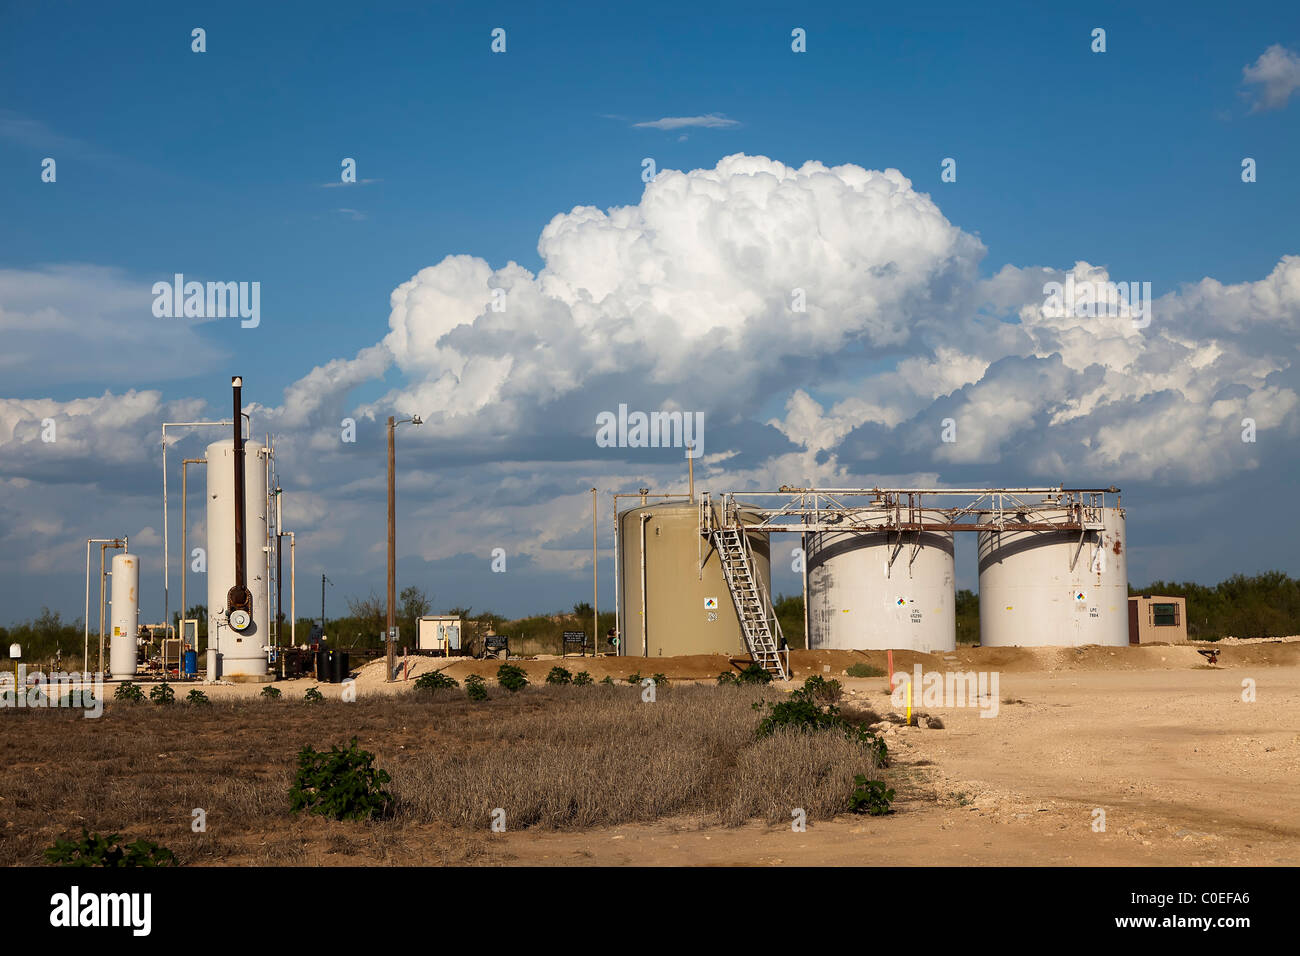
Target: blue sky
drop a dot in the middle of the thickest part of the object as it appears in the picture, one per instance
(225, 165)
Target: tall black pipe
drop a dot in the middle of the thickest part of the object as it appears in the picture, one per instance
(239, 596)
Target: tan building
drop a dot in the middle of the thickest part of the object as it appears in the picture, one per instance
(1154, 618)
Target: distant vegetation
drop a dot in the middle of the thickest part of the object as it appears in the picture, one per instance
(1261, 605)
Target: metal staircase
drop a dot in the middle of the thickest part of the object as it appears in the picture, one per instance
(758, 622)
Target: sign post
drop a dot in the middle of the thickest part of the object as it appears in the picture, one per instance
(575, 637)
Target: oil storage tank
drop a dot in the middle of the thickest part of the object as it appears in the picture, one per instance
(124, 612)
(240, 654)
(878, 589)
(683, 608)
(1042, 589)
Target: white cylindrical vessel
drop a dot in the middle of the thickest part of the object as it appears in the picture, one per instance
(240, 653)
(878, 590)
(1032, 596)
(124, 614)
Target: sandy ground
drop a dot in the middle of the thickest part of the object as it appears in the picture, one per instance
(1186, 771)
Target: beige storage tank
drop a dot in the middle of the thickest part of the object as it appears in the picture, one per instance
(1031, 597)
(685, 609)
(877, 590)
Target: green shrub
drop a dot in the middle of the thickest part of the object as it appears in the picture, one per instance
(512, 677)
(807, 710)
(313, 695)
(95, 850)
(581, 679)
(436, 680)
(822, 690)
(476, 687)
(131, 693)
(863, 669)
(752, 674)
(163, 694)
(660, 680)
(607, 680)
(560, 675)
(634, 678)
(271, 692)
(197, 698)
(870, 796)
(341, 784)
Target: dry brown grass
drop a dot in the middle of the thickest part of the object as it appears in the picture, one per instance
(551, 757)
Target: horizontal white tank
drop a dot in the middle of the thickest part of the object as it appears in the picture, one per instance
(1031, 597)
(124, 615)
(239, 653)
(860, 599)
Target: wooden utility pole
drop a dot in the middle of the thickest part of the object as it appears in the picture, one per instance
(392, 546)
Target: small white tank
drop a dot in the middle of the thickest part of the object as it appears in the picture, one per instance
(860, 599)
(1031, 597)
(124, 615)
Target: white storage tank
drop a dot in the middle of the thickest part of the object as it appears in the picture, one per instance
(124, 615)
(1031, 597)
(858, 599)
(240, 654)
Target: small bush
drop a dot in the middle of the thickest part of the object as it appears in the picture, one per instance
(581, 679)
(863, 669)
(560, 675)
(634, 678)
(313, 695)
(476, 687)
(436, 680)
(197, 698)
(131, 693)
(271, 692)
(163, 694)
(95, 850)
(660, 680)
(512, 677)
(607, 680)
(870, 796)
(752, 674)
(341, 784)
(822, 690)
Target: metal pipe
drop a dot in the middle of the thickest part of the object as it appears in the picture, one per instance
(595, 580)
(645, 633)
(279, 565)
(166, 527)
(293, 592)
(85, 651)
(238, 596)
(185, 555)
(618, 595)
(807, 634)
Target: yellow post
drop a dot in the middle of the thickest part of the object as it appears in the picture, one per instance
(909, 702)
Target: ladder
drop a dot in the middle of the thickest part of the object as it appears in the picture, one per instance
(748, 596)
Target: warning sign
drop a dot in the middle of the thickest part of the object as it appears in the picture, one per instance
(710, 604)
